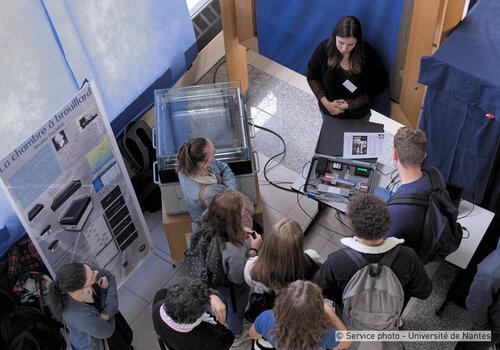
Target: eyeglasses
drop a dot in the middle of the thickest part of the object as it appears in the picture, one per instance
(95, 277)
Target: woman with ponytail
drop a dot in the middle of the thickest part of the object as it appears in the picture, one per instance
(87, 301)
(201, 177)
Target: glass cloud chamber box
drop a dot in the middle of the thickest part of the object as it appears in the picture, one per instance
(214, 111)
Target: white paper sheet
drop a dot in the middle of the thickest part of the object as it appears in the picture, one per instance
(359, 145)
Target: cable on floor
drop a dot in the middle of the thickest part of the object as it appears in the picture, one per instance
(275, 183)
(275, 156)
(217, 69)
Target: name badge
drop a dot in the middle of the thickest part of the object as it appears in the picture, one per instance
(349, 86)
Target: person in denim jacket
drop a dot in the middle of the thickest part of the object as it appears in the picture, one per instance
(201, 177)
(87, 301)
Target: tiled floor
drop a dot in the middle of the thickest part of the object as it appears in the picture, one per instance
(279, 99)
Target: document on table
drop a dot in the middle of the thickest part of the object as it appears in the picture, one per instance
(359, 145)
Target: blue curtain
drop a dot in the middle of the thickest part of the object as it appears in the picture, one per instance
(129, 48)
(290, 30)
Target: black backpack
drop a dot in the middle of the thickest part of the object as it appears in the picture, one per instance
(136, 146)
(29, 328)
(204, 259)
(441, 234)
(8, 304)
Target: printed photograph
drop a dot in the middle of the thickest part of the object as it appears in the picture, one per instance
(359, 145)
(60, 140)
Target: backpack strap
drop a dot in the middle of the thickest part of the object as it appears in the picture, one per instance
(437, 182)
(26, 335)
(415, 199)
(359, 260)
(388, 259)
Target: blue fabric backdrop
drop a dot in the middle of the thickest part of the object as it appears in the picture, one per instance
(463, 79)
(290, 30)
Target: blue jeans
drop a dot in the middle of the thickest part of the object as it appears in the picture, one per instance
(235, 319)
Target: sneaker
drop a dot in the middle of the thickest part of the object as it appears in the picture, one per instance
(243, 337)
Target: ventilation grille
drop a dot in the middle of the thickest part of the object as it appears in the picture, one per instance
(207, 23)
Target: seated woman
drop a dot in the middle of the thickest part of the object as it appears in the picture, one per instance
(201, 177)
(300, 320)
(182, 321)
(87, 301)
(345, 73)
(223, 222)
(282, 259)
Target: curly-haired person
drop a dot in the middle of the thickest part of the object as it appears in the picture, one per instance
(370, 221)
(300, 320)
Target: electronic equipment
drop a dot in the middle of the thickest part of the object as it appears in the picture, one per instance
(338, 179)
(321, 165)
(76, 214)
(67, 192)
(34, 211)
(336, 166)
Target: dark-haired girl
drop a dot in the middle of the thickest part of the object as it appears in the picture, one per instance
(87, 301)
(201, 177)
(345, 73)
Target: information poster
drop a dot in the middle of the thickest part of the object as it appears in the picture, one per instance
(71, 190)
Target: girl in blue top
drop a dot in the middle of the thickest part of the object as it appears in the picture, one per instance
(300, 320)
(201, 176)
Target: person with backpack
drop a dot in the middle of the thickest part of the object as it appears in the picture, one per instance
(372, 275)
(421, 209)
(182, 320)
(281, 261)
(300, 320)
(87, 301)
(201, 176)
(220, 247)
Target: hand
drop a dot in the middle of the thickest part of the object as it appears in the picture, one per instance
(105, 317)
(331, 107)
(256, 242)
(103, 282)
(218, 308)
(330, 311)
(251, 232)
(341, 104)
(334, 110)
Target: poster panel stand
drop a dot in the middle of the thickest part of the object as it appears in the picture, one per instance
(70, 189)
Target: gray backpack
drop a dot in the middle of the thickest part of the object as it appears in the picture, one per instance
(373, 298)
